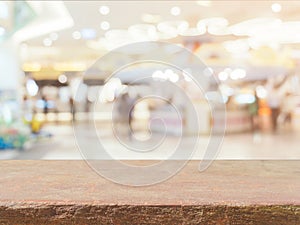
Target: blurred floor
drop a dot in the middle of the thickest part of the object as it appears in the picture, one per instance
(282, 145)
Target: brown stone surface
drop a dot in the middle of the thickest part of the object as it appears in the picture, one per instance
(229, 192)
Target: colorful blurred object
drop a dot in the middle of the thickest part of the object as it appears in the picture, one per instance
(11, 138)
(13, 133)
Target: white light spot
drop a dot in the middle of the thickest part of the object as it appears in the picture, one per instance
(76, 35)
(175, 11)
(223, 76)
(159, 75)
(187, 74)
(238, 74)
(261, 92)
(104, 10)
(204, 3)
(276, 7)
(105, 25)
(245, 99)
(32, 87)
(47, 42)
(88, 33)
(174, 78)
(62, 78)
(4, 10)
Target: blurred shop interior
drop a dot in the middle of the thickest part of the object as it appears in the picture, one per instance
(48, 49)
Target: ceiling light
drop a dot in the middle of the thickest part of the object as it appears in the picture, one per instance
(159, 76)
(110, 88)
(245, 98)
(282, 33)
(175, 11)
(76, 35)
(174, 78)
(254, 26)
(234, 76)
(187, 74)
(192, 32)
(88, 33)
(276, 7)
(150, 18)
(62, 78)
(2, 31)
(105, 25)
(47, 42)
(214, 21)
(116, 38)
(171, 76)
(204, 3)
(53, 36)
(261, 92)
(32, 87)
(4, 11)
(214, 25)
(215, 30)
(164, 36)
(143, 32)
(223, 76)
(238, 74)
(104, 10)
(173, 27)
(201, 27)
(48, 17)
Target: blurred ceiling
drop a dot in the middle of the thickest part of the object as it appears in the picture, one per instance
(123, 14)
(83, 42)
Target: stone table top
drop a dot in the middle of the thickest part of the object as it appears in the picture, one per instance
(225, 185)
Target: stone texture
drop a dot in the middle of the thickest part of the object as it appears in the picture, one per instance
(229, 192)
(164, 214)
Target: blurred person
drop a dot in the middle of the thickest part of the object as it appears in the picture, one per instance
(119, 113)
(72, 108)
(125, 109)
(131, 104)
(88, 105)
(274, 101)
(253, 109)
(288, 106)
(230, 104)
(46, 106)
(36, 124)
(27, 108)
(88, 108)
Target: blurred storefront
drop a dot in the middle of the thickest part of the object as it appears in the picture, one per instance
(48, 49)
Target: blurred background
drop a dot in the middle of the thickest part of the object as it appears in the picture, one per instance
(252, 50)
